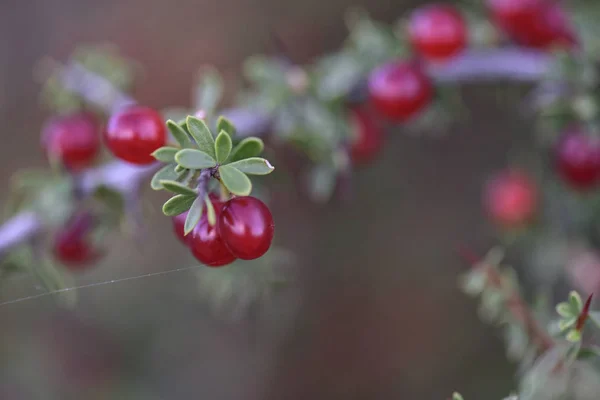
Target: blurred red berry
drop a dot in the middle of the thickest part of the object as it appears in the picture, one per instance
(511, 199)
(437, 32)
(179, 226)
(399, 90)
(73, 139)
(246, 226)
(206, 243)
(578, 159)
(133, 133)
(72, 246)
(539, 24)
(366, 136)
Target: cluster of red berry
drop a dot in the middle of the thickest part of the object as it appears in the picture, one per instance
(400, 90)
(244, 229)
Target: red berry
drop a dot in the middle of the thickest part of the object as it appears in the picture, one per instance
(578, 159)
(534, 23)
(179, 226)
(511, 199)
(246, 227)
(437, 32)
(367, 136)
(72, 246)
(74, 139)
(399, 90)
(207, 245)
(134, 132)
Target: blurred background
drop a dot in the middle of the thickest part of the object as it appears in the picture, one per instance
(374, 313)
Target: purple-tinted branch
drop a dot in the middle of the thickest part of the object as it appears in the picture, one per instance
(499, 64)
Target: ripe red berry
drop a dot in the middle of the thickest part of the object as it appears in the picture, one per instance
(179, 227)
(206, 243)
(366, 136)
(511, 199)
(72, 246)
(399, 90)
(437, 32)
(246, 226)
(133, 133)
(578, 159)
(73, 139)
(535, 23)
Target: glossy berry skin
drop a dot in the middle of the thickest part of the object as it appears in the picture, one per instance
(366, 136)
(71, 244)
(399, 90)
(437, 32)
(206, 244)
(511, 199)
(578, 159)
(73, 139)
(134, 132)
(246, 226)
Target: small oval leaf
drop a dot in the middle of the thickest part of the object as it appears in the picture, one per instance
(253, 166)
(193, 216)
(201, 134)
(223, 124)
(194, 159)
(223, 146)
(209, 90)
(235, 180)
(176, 187)
(179, 133)
(249, 147)
(177, 205)
(164, 174)
(210, 212)
(165, 154)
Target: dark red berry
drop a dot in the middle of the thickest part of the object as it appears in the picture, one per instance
(399, 90)
(207, 245)
(578, 159)
(73, 139)
(437, 32)
(511, 199)
(534, 23)
(366, 136)
(72, 245)
(133, 133)
(550, 28)
(246, 226)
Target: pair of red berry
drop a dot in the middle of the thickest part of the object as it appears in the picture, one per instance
(534, 23)
(400, 90)
(244, 229)
(132, 134)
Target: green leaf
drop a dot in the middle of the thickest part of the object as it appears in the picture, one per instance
(201, 134)
(573, 336)
(209, 90)
(176, 187)
(588, 352)
(565, 310)
(194, 215)
(576, 302)
(56, 280)
(165, 154)
(223, 124)
(594, 316)
(253, 166)
(223, 146)
(457, 396)
(235, 180)
(337, 75)
(179, 133)
(565, 324)
(166, 173)
(264, 71)
(179, 169)
(177, 205)
(210, 212)
(249, 147)
(194, 159)
(112, 198)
